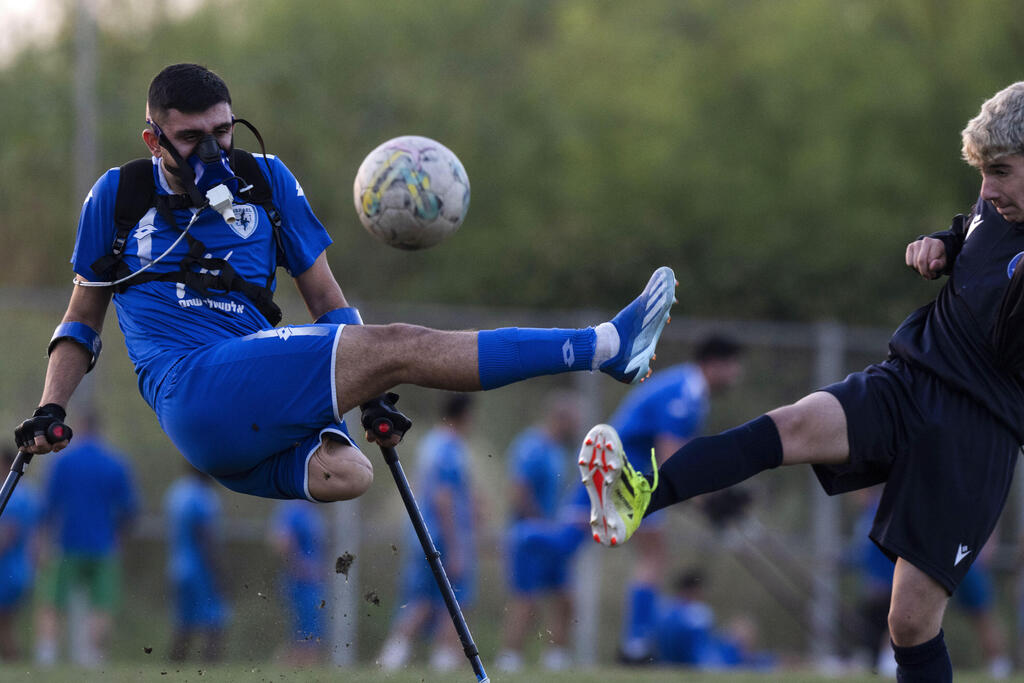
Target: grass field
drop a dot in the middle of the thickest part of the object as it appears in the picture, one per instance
(258, 674)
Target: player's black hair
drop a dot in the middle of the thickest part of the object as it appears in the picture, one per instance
(456, 406)
(717, 347)
(689, 580)
(189, 88)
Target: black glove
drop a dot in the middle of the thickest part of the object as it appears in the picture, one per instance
(381, 418)
(47, 421)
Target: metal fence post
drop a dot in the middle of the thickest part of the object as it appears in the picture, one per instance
(587, 563)
(825, 531)
(346, 537)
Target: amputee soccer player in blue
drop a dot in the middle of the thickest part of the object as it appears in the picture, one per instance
(660, 416)
(19, 528)
(444, 490)
(90, 504)
(299, 536)
(539, 544)
(260, 408)
(194, 567)
(940, 421)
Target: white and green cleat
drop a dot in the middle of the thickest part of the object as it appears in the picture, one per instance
(619, 495)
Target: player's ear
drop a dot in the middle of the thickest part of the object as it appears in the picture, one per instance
(152, 142)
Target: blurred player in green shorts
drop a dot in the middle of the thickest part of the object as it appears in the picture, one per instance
(90, 501)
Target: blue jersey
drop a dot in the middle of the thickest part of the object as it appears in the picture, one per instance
(90, 496)
(874, 566)
(443, 466)
(684, 632)
(163, 320)
(673, 402)
(538, 462)
(952, 337)
(300, 522)
(17, 526)
(193, 517)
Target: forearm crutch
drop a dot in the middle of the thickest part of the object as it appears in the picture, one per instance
(17, 470)
(58, 431)
(381, 419)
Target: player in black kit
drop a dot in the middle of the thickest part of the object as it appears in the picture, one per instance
(940, 421)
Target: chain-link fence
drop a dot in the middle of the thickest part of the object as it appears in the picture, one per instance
(783, 566)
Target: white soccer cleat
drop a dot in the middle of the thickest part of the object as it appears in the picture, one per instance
(619, 494)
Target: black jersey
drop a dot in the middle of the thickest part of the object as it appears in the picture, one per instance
(960, 336)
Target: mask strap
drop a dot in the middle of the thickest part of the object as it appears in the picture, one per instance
(259, 139)
(183, 171)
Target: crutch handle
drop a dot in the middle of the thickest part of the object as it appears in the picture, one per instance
(58, 431)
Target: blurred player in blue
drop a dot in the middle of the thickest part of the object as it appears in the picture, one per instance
(187, 242)
(195, 569)
(663, 414)
(540, 543)
(90, 504)
(299, 537)
(975, 596)
(444, 490)
(685, 632)
(873, 583)
(19, 550)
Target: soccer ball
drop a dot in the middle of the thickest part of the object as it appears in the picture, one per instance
(411, 192)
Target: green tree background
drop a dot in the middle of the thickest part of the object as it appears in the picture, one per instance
(778, 155)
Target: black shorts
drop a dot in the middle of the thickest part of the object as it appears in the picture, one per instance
(946, 461)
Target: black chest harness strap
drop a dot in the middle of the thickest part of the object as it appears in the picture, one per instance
(136, 195)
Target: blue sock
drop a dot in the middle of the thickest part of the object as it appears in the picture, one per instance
(716, 462)
(511, 354)
(641, 604)
(925, 663)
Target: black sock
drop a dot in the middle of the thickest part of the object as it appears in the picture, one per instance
(715, 462)
(924, 663)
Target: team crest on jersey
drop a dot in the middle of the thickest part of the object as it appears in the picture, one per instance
(1012, 265)
(246, 220)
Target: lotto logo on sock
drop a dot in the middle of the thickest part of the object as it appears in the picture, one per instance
(568, 353)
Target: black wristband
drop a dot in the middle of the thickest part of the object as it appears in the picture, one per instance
(51, 410)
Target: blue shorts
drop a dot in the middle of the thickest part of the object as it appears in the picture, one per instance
(419, 584)
(304, 598)
(13, 592)
(198, 603)
(946, 460)
(974, 593)
(250, 411)
(538, 559)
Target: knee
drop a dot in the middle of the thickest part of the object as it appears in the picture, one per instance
(908, 627)
(338, 471)
(812, 430)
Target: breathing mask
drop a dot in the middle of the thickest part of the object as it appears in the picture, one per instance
(211, 165)
(206, 174)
